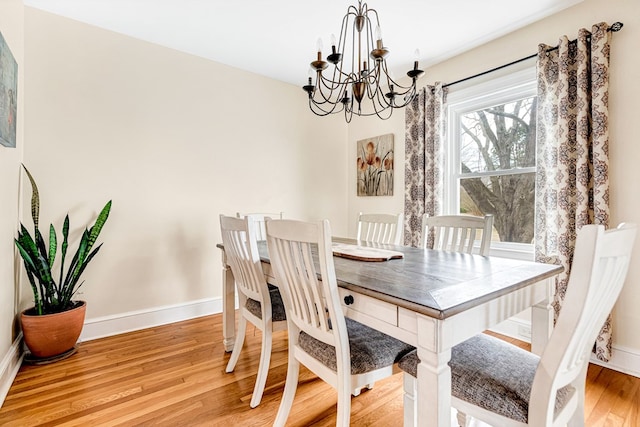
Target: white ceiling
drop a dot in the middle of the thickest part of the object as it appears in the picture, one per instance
(277, 38)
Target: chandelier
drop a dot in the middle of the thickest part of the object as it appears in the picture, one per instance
(366, 88)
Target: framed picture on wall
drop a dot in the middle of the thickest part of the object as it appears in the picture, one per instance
(375, 166)
(8, 95)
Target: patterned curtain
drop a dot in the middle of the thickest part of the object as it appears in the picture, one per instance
(572, 183)
(424, 123)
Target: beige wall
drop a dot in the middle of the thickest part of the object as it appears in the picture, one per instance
(174, 140)
(624, 96)
(11, 26)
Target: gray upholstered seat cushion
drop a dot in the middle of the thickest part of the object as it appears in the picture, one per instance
(370, 349)
(492, 374)
(277, 306)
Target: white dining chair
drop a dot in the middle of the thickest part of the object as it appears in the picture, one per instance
(457, 233)
(344, 353)
(504, 385)
(259, 303)
(380, 228)
(259, 220)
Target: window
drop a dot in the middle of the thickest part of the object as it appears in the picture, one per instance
(491, 166)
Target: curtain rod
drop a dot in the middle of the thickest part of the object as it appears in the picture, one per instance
(615, 27)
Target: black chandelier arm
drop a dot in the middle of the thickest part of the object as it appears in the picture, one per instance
(377, 112)
(336, 90)
(393, 82)
(383, 98)
(319, 111)
(333, 83)
(336, 94)
(324, 83)
(373, 82)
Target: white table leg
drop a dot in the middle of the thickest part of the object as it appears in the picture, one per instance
(228, 306)
(434, 376)
(434, 389)
(409, 403)
(542, 320)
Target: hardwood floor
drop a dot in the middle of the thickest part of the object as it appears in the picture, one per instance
(174, 376)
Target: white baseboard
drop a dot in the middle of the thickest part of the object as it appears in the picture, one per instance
(623, 359)
(100, 327)
(10, 366)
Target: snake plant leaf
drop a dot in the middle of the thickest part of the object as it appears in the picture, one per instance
(97, 227)
(35, 199)
(42, 266)
(36, 296)
(53, 245)
(65, 245)
(70, 270)
(77, 260)
(25, 254)
(39, 262)
(83, 249)
(89, 237)
(42, 249)
(29, 254)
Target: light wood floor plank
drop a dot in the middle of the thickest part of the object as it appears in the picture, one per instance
(174, 375)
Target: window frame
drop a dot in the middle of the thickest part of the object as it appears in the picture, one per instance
(501, 90)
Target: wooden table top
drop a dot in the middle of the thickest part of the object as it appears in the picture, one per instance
(438, 284)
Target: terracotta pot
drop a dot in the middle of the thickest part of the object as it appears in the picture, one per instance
(50, 335)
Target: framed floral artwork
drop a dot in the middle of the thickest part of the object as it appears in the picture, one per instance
(375, 166)
(8, 95)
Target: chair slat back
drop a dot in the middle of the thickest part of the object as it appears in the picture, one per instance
(600, 264)
(457, 233)
(259, 220)
(311, 299)
(380, 228)
(241, 250)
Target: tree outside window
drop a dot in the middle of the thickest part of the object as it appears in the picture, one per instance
(497, 166)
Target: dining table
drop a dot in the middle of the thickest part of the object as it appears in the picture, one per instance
(431, 299)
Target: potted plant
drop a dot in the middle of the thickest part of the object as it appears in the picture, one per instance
(52, 326)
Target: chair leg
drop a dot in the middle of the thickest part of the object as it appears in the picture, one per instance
(263, 367)
(237, 347)
(577, 419)
(410, 387)
(290, 386)
(344, 400)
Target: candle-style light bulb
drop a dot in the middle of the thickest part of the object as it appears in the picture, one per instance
(378, 36)
(378, 33)
(319, 48)
(333, 41)
(319, 64)
(416, 58)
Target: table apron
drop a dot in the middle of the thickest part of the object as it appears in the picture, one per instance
(438, 335)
